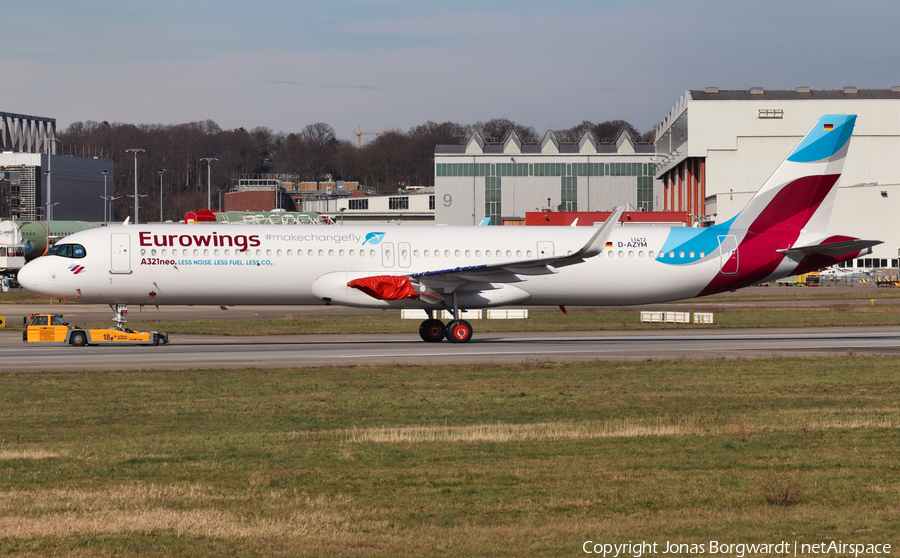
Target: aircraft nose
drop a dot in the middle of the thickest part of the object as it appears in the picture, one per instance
(28, 277)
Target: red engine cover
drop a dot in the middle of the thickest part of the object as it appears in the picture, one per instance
(385, 287)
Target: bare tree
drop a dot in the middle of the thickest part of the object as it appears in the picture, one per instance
(608, 130)
(319, 134)
(494, 131)
(394, 159)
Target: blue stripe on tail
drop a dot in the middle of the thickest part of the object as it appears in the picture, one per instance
(821, 143)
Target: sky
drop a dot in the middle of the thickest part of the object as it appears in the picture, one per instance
(550, 64)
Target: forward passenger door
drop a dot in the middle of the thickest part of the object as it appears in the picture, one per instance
(121, 253)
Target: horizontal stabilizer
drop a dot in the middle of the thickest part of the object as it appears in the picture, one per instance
(831, 249)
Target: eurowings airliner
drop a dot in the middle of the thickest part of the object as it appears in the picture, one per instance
(781, 232)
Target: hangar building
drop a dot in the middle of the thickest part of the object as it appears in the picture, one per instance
(505, 180)
(718, 147)
(36, 183)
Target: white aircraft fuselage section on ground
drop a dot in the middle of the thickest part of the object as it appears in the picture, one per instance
(304, 264)
(781, 232)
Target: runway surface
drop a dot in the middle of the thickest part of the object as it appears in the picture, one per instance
(194, 351)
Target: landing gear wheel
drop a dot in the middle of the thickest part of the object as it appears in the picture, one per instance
(432, 331)
(459, 331)
(78, 338)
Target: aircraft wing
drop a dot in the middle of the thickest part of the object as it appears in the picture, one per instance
(478, 277)
(434, 285)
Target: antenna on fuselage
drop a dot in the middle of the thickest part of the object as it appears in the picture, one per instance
(125, 222)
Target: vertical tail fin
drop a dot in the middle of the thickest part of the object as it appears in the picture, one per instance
(783, 230)
(800, 194)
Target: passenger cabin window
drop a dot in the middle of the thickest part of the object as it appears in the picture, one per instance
(68, 251)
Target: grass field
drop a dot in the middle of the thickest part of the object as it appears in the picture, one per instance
(519, 460)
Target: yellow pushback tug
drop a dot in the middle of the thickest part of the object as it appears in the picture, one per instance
(52, 328)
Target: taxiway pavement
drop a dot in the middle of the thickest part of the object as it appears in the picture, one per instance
(196, 351)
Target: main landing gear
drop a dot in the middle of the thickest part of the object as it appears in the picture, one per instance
(457, 331)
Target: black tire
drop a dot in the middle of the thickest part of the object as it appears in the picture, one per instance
(78, 338)
(459, 331)
(432, 331)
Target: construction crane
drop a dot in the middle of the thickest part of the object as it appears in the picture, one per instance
(360, 133)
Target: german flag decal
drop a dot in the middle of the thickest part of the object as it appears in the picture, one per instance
(609, 244)
(829, 126)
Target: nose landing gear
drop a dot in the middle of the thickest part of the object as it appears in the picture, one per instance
(121, 311)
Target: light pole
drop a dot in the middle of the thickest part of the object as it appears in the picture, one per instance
(208, 187)
(136, 197)
(160, 172)
(136, 201)
(105, 203)
(109, 200)
(49, 167)
(49, 214)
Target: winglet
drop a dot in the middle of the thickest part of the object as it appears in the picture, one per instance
(125, 222)
(597, 242)
(484, 222)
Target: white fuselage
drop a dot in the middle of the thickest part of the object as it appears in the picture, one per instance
(305, 265)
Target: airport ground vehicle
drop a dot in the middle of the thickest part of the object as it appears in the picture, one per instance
(7, 284)
(52, 328)
(810, 279)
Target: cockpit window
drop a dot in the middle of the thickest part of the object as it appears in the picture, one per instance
(68, 251)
